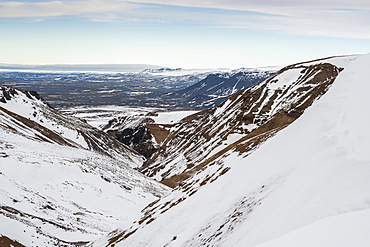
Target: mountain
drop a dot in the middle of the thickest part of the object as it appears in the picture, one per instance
(258, 111)
(280, 158)
(30, 114)
(63, 182)
(217, 87)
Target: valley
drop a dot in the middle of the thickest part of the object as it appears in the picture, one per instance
(246, 158)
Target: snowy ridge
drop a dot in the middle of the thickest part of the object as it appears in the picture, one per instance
(268, 106)
(315, 168)
(63, 183)
(28, 109)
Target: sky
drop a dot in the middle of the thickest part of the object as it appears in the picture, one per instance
(182, 33)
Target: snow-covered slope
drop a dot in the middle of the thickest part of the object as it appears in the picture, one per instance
(53, 194)
(349, 229)
(315, 170)
(62, 182)
(242, 122)
(26, 113)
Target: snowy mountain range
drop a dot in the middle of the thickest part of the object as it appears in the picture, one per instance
(282, 163)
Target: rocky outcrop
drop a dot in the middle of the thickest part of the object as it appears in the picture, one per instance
(133, 132)
(138, 138)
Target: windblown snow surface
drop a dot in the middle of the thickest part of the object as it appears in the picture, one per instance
(309, 181)
(53, 195)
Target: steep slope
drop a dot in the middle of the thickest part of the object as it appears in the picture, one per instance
(315, 168)
(348, 229)
(242, 122)
(217, 87)
(60, 184)
(26, 113)
(53, 195)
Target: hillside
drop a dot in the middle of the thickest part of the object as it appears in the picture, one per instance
(26, 113)
(282, 174)
(63, 183)
(240, 123)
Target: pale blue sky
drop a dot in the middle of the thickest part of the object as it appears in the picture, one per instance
(179, 33)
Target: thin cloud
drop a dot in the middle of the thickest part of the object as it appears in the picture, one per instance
(276, 7)
(60, 8)
(339, 18)
(329, 23)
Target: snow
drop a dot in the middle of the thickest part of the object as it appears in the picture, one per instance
(312, 176)
(351, 229)
(249, 127)
(81, 190)
(11, 228)
(99, 116)
(50, 191)
(339, 61)
(221, 109)
(37, 111)
(233, 138)
(171, 117)
(285, 79)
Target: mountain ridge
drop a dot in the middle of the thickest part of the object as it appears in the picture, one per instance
(260, 195)
(29, 108)
(206, 131)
